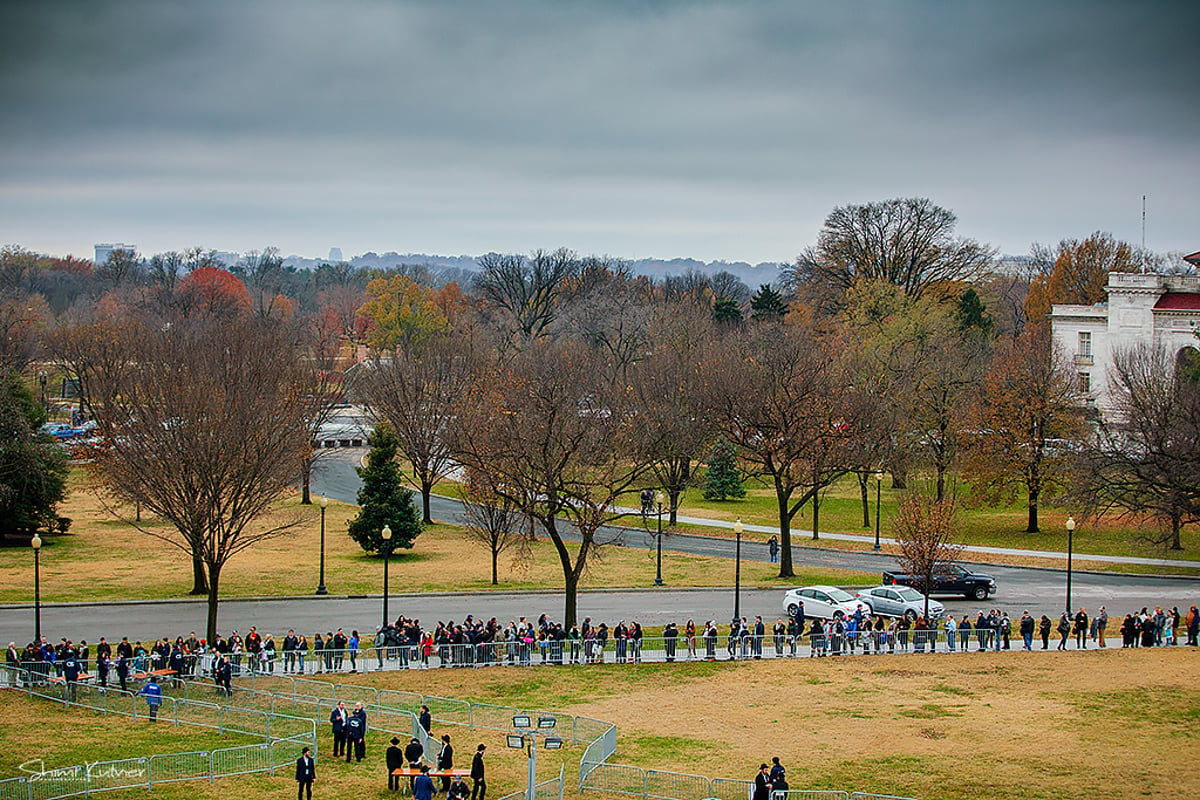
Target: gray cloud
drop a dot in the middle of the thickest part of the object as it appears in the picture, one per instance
(712, 129)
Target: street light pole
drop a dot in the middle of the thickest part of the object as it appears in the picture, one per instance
(878, 488)
(658, 499)
(321, 583)
(36, 544)
(1070, 548)
(737, 570)
(42, 375)
(386, 533)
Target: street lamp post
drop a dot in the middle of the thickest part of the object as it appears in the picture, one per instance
(386, 533)
(36, 544)
(42, 375)
(321, 583)
(878, 488)
(737, 570)
(1070, 548)
(658, 500)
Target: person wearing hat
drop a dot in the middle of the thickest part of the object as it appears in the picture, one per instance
(395, 761)
(478, 783)
(445, 761)
(422, 788)
(458, 789)
(306, 773)
(762, 784)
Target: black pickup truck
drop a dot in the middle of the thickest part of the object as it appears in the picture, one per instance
(949, 579)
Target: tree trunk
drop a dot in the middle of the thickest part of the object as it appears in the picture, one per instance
(816, 501)
(306, 485)
(214, 575)
(864, 497)
(1176, 527)
(426, 491)
(1033, 512)
(785, 539)
(199, 580)
(495, 573)
(570, 604)
(941, 483)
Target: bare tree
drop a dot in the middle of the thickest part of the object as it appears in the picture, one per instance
(557, 442)
(320, 348)
(531, 291)
(906, 242)
(780, 397)
(206, 430)
(925, 534)
(494, 521)
(1145, 459)
(419, 392)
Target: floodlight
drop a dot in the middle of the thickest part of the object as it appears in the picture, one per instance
(547, 722)
(522, 721)
(516, 741)
(553, 743)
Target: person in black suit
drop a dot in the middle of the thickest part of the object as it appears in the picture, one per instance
(478, 784)
(395, 760)
(306, 773)
(445, 761)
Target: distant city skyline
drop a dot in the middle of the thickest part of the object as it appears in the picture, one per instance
(719, 131)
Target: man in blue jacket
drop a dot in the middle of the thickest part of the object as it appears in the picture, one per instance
(154, 695)
(423, 785)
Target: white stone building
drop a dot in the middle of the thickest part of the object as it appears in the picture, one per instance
(1142, 308)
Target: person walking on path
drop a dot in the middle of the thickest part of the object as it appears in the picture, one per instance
(1081, 629)
(1064, 630)
(1044, 631)
(478, 782)
(306, 773)
(154, 695)
(773, 548)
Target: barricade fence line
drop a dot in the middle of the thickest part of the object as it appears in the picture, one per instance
(595, 772)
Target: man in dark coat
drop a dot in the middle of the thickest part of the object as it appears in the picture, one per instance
(70, 673)
(356, 733)
(762, 784)
(337, 721)
(306, 773)
(445, 761)
(395, 760)
(478, 783)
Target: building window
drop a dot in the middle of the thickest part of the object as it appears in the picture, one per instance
(1085, 344)
(1085, 383)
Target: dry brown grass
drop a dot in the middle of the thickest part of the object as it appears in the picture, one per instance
(103, 558)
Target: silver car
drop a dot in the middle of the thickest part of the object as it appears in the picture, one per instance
(899, 601)
(826, 602)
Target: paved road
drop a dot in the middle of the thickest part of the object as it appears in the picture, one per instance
(1039, 590)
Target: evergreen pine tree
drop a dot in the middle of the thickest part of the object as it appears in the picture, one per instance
(767, 303)
(383, 498)
(722, 481)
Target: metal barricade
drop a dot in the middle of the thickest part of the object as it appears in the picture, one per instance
(614, 778)
(55, 783)
(125, 773)
(675, 785)
(242, 760)
(14, 789)
(174, 767)
(730, 789)
(810, 794)
(870, 796)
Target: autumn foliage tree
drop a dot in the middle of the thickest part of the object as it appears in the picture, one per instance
(214, 292)
(1079, 274)
(1027, 411)
(924, 526)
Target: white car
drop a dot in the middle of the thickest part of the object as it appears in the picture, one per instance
(826, 602)
(899, 601)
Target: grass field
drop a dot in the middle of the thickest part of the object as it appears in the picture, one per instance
(1003, 726)
(103, 558)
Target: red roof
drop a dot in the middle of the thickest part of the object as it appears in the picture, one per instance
(1178, 301)
(1194, 258)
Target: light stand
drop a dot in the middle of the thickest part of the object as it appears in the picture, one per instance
(878, 487)
(386, 533)
(321, 583)
(1070, 547)
(658, 500)
(36, 544)
(737, 570)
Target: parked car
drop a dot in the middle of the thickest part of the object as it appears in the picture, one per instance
(949, 579)
(826, 602)
(900, 601)
(60, 430)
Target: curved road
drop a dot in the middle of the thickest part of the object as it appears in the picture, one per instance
(1039, 590)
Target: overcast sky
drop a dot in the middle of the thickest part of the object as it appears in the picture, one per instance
(712, 130)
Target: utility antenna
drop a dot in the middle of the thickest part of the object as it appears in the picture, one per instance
(1143, 234)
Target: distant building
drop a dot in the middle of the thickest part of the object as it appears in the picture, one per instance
(103, 251)
(335, 255)
(1154, 309)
